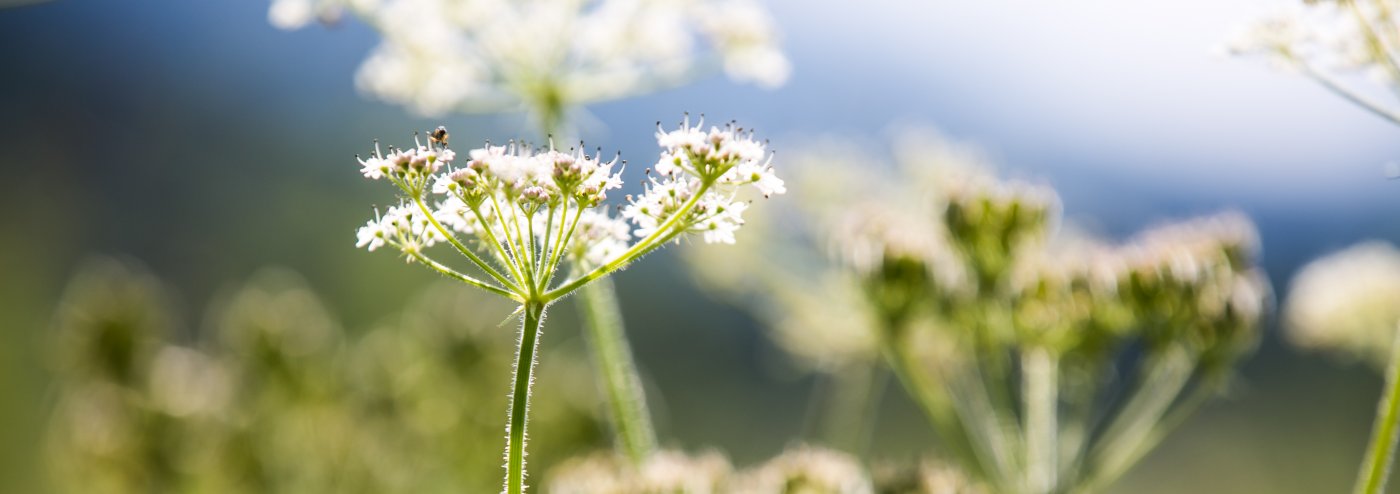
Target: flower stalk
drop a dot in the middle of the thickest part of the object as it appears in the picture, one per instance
(617, 373)
(1375, 470)
(531, 320)
(1040, 373)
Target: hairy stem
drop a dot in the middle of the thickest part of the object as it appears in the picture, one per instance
(1376, 468)
(520, 399)
(617, 374)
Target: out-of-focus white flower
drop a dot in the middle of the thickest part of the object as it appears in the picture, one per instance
(291, 14)
(1347, 303)
(663, 472)
(186, 382)
(1327, 40)
(440, 56)
(807, 469)
(599, 238)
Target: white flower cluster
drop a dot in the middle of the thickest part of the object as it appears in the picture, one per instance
(1347, 303)
(440, 56)
(663, 471)
(1328, 40)
(807, 469)
(705, 169)
(531, 208)
(401, 227)
(1321, 35)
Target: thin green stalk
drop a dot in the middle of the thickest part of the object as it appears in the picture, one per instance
(1376, 468)
(480, 263)
(506, 258)
(1356, 98)
(1039, 378)
(996, 435)
(1174, 418)
(936, 405)
(519, 411)
(612, 357)
(664, 233)
(1374, 40)
(451, 273)
(852, 405)
(1139, 420)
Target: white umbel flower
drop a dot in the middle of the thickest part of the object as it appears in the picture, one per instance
(531, 210)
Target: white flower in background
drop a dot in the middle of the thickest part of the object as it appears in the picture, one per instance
(441, 56)
(662, 472)
(1331, 42)
(807, 469)
(1347, 302)
(400, 226)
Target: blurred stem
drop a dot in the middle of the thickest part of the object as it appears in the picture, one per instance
(1376, 468)
(1346, 93)
(617, 373)
(520, 399)
(1140, 419)
(933, 399)
(1374, 41)
(1040, 372)
(852, 406)
(989, 430)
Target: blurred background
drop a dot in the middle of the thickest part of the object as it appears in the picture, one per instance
(202, 142)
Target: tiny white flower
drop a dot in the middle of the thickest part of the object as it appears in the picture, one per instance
(371, 236)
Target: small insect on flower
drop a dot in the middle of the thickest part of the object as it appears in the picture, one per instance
(438, 136)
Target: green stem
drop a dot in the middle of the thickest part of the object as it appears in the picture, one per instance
(1376, 468)
(480, 263)
(933, 399)
(852, 405)
(1352, 96)
(505, 257)
(616, 371)
(666, 231)
(1039, 376)
(451, 273)
(520, 399)
(1139, 420)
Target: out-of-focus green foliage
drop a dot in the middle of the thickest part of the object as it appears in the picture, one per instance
(275, 397)
(1045, 362)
